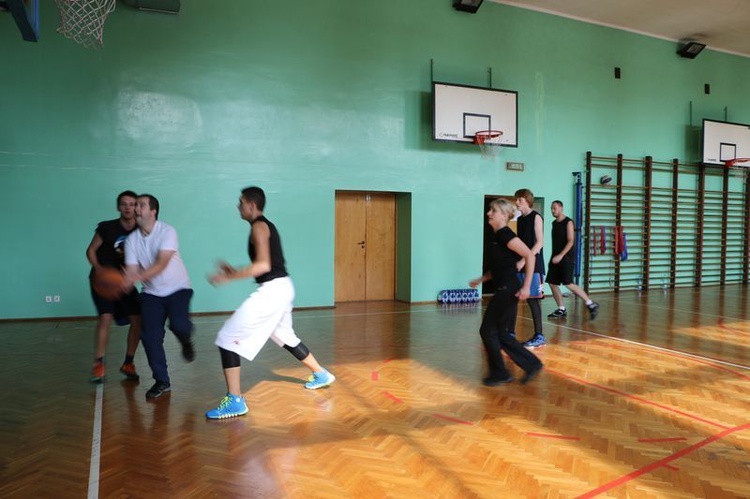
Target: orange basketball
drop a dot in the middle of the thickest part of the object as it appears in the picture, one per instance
(108, 283)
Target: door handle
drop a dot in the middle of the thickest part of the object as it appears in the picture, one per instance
(361, 244)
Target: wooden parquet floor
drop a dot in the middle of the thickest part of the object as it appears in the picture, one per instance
(650, 400)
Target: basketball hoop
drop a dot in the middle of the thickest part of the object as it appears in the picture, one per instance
(83, 20)
(484, 139)
(739, 167)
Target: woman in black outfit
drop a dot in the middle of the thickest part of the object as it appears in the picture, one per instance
(505, 250)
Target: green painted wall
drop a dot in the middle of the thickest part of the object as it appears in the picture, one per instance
(303, 98)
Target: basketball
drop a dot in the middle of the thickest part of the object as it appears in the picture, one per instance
(606, 179)
(108, 283)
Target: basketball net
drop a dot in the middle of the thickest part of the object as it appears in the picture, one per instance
(484, 139)
(83, 20)
(739, 167)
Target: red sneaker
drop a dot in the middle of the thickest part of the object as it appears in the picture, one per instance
(98, 373)
(129, 371)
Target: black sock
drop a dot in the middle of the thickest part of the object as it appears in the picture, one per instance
(99, 359)
(129, 359)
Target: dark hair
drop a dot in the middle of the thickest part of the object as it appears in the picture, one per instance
(526, 194)
(153, 203)
(557, 201)
(255, 195)
(126, 194)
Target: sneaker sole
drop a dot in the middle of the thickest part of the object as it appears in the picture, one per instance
(130, 377)
(227, 416)
(154, 397)
(320, 386)
(532, 347)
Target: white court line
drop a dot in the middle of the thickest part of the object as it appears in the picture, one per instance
(686, 310)
(663, 349)
(96, 440)
(430, 310)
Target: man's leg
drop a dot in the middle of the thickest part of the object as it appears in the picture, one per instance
(178, 308)
(101, 338)
(233, 404)
(153, 317)
(590, 304)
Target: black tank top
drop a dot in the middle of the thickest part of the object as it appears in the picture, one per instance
(526, 233)
(560, 237)
(278, 268)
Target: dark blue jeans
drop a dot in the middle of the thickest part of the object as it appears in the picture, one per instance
(154, 313)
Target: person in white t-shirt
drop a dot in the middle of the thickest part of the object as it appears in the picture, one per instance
(152, 257)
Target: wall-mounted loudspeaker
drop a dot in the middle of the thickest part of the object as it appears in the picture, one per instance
(690, 50)
(166, 6)
(470, 6)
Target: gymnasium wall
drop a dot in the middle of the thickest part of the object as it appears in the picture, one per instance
(305, 98)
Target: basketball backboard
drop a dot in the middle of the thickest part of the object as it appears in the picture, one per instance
(26, 15)
(723, 141)
(461, 111)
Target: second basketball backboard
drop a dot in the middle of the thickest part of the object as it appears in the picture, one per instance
(461, 111)
(723, 141)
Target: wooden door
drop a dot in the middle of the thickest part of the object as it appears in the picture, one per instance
(365, 259)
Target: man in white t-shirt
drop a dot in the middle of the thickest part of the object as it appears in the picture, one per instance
(152, 258)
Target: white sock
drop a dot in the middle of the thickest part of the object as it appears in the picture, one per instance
(561, 308)
(589, 302)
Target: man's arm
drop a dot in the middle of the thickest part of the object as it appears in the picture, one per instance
(538, 235)
(261, 237)
(94, 245)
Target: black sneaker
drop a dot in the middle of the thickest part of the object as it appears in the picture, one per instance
(558, 314)
(593, 309)
(533, 373)
(188, 352)
(491, 381)
(159, 389)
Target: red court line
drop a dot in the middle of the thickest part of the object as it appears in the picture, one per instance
(547, 435)
(639, 399)
(721, 324)
(393, 397)
(671, 439)
(453, 420)
(662, 462)
(375, 375)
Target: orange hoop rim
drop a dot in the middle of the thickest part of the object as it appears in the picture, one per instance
(483, 135)
(733, 162)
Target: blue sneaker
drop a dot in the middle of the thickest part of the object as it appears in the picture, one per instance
(537, 341)
(320, 380)
(230, 406)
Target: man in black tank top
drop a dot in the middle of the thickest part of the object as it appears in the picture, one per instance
(530, 231)
(562, 263)
(267, 313)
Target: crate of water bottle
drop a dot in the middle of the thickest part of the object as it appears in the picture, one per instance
(467, 295)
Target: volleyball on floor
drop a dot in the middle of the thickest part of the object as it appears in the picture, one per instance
(108, 283)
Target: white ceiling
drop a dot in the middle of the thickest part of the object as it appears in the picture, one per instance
(722, 25)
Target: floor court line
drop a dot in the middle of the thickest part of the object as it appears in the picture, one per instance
(96, 440)
(654, 347)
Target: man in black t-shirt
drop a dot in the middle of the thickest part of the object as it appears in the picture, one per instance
(107, 249)
(562, 263)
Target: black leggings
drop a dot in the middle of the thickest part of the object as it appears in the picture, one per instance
(535, 306)
(495, 337)
(231, 359)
